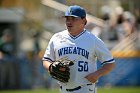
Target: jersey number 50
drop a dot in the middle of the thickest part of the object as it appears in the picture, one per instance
(82, 66)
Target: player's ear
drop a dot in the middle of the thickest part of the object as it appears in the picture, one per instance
(84, 21)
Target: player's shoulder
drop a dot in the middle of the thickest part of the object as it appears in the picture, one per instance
(59, 34)
(91, 35)
(63, 32)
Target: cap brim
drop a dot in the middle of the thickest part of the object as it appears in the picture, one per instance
(70, 16)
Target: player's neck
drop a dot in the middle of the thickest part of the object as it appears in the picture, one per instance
(76, 32)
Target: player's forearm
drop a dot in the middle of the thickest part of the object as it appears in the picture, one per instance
(46, 64)
(105, 69)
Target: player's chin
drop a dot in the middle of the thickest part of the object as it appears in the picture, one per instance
(69, 28)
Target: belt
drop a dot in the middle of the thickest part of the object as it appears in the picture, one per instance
(74, 89)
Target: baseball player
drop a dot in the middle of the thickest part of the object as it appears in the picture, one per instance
(83, 48)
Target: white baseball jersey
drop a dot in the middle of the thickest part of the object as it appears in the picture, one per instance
(84, 48)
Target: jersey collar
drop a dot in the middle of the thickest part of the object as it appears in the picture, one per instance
(74, 37)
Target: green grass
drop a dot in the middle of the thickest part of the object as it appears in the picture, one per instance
(119, 90)
(100, 90)
(31, 91)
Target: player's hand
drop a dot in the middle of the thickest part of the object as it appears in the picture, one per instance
(93, 77)
(60, 70)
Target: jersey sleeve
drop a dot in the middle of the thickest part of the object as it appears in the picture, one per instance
(102, 52)
(49, 53)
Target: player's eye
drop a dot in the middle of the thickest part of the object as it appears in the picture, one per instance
(76, 18)
(72, 18)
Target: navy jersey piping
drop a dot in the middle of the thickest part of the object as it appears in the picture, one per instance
(74, 37)
(107, 61)
(47, 59)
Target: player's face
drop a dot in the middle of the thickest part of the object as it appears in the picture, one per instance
(74, 23)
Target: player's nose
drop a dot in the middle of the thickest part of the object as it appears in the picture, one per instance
(69, 24)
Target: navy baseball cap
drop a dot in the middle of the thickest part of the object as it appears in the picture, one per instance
(75, 11)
